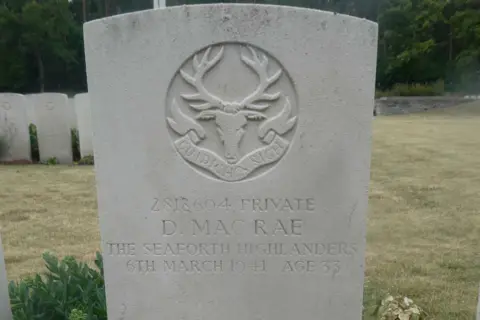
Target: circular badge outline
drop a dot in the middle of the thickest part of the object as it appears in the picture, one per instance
(251, 176)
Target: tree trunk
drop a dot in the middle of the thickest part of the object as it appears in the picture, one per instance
(450, 44)
(41, 71)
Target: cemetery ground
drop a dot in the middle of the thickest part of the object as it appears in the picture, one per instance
(423, 228)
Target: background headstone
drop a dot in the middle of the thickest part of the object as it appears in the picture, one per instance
(478, 306)
(5, 310)
(84, 121)
(72, 114)
(232, 163)
(157, 4)
(14, 128)
(30, 109)
(53, 127)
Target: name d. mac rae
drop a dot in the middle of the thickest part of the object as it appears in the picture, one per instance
(236, 227)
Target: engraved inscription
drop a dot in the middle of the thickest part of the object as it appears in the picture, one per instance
(189, 243)
(211, 227)
(141, 266)
(240, 154)
(212, 257)
(185, 205)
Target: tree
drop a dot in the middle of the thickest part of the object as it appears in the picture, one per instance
(12, 56)
(466, 29)
(46, 26)
(41, 43)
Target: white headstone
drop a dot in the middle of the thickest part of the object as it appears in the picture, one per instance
(84, 121)
(14, 128)
(5, 311)
(30, 109)
(53, 127)
(72, 114)
(232, 162)
(157, 4)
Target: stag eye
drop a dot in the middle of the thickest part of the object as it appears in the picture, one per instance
(240, 132)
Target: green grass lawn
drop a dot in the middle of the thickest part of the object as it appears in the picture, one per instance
(423, 227)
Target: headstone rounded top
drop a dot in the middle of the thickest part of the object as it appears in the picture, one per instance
(81, 95)
(256, 12)
(231, 111)
(8, 100)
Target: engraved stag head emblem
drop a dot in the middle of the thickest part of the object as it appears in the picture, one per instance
(231, 116)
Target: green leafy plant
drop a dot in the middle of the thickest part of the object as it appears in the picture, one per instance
(398, 308)
(69, 290)
(77, 315)
(34, 143)
(75, 145)
(51, 161)
(414, 89)
(87, 160)
(3, 146)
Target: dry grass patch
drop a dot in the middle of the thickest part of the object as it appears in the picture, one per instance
(46, 208)
(424, 220)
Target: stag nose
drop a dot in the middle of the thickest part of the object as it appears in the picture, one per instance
(231, 157)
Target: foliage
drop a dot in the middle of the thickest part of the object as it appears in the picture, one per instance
(69, 290)
(398, 308)
(427, 40)
(51, 161)
(3, 146)
(40, 45)
(77, 315)
(34, 143)
(415, 89)
(87, 160)
(420, 41)
(75, 145)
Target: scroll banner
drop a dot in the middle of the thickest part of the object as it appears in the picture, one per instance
(210, 161)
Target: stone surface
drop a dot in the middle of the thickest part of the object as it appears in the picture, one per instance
(72, 114)
(5, 311)
(53, 126)
(84, 121)
(30, 109)
(232, 153)
(14, 127)
(158, 4)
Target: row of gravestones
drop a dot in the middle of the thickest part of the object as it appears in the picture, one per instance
(54, 115)
(246, 190)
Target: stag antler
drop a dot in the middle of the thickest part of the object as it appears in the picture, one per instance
(196, 81)
(280, 123)
(260, 67)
